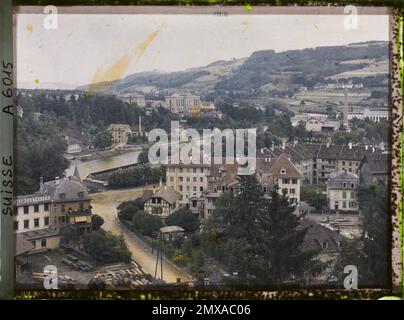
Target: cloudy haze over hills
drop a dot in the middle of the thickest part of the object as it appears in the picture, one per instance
(96, 48)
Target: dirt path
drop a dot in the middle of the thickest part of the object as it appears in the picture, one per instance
(104, 204)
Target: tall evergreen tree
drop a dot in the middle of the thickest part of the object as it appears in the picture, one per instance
(260, 239)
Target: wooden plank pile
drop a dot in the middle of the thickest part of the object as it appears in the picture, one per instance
(128, 275)
(76, 263)
(63, 281)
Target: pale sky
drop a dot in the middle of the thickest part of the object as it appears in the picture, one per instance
(84, 48)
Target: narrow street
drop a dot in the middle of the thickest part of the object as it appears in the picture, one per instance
(104, 204)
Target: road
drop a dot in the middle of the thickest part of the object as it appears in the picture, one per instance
(104, 204)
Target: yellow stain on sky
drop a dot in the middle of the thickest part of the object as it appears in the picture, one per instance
(30, 28)
(118, 69)
(245, 25)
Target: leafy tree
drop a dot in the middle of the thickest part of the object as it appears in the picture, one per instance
(105, 247)
(127, 209)
(183, 218)
(103, 140)
(138, 176)
(314, 197)
(96, 221)
(143, 156)
(70, 234)
(146, 224)
(40, 149)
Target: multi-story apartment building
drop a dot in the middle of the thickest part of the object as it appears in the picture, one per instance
(321, 125)
(39, 216)
(270, 172)
(137, 99)
(300, 157)
(182, 103)
(375, 170)
(33, 213)
(71, 202)
(374, 114)
(190, 180)
(316, 161)
(32, 221)
(342, 189)
(120, 133)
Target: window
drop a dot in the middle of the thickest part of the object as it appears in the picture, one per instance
(194, 179)
(187, 188)
(157, 210)
(292, 191)
(324, 244)
(63, 208)
(344, 185)
(344, 195)
(201, 179)
(81, 205)
(294, 181)
(194, 170)
(15, 225)
(201, 170)
(36, 207)
(62, 196)
(26, 224)
(352, 185)
(194, 188)
(43, 243)
(188, 179)
(46, 207)
(46, 221)
(26, 209)
(36, 222)
(81, 195)
(344, 204)
(201, 189)
(283, 171)
(180, 188)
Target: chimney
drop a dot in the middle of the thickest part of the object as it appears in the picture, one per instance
(154, 189)
(366, 147)
(41, 184)
(350, 145)
(373, 149)
(283, 144)
(295, 141)
(161, 182)
(272, 146)
(262, 150)
(346, 109)
(140, 124)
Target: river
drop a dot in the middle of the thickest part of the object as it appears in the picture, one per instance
(105, 203)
